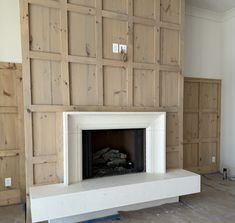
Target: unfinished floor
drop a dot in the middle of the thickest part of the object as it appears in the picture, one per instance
(12, 214)
(216, 203)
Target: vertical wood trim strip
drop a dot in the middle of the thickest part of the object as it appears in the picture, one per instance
(180, 118)
(64, 53)
(20, 135)
(199, 125)
(218, 127)
(157, 11)
(99, 52)
(24, 9)
(59, 145)
(181, 85)
(130, 52)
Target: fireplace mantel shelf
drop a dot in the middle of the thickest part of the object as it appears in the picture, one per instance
(59, 201)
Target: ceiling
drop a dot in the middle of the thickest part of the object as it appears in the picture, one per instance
(213, 5)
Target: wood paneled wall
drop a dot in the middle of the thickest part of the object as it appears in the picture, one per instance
(68, 65)
(202, 124)
(11, 134)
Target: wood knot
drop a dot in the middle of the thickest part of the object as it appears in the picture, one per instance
(6, 93)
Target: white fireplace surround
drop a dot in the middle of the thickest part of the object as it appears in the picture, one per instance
(75, 122)
(78, 200)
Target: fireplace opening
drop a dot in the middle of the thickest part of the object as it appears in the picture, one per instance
(113, 152)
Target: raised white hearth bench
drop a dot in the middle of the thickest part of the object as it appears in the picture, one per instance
(78, 200)
(110, 194)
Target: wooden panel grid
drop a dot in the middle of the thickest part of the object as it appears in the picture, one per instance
(202, 124)
(69, 66)
(11, 134)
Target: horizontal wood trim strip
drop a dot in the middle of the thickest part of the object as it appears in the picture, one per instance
(203, 140)
(170, 68)
(105, 62)
(114, 15)
(201, 110)
(170, 26)
(53, 108)
(78, 59)
(145, 66)
(172, 149)
(45, 56)
(113, 63)
(81, 9)
(200, 80)
(15, 152)
(44, 159)
(47, 3)
(144, 21)
(10, 66)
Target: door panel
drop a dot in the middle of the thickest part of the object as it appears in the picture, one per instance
(11, 134)
(201, 124)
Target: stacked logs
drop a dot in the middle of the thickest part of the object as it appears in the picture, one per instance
(109, 162)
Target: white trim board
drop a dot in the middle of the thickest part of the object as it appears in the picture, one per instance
(59, 201)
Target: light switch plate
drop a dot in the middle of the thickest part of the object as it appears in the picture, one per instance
(115, 48)
(8, 182)
(213, 159)
(123, 48)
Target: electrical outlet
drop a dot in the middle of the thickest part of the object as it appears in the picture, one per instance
(8, 182)
(115, 48)
(213, 159)
(122, 48)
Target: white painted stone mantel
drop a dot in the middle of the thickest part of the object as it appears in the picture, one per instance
(75, 122)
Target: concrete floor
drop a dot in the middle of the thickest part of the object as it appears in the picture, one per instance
(12, 214)
(216, 203)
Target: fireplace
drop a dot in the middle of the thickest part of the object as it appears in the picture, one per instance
(112, 152)
(87, 134)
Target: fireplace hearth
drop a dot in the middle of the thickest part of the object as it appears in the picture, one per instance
(113, 152)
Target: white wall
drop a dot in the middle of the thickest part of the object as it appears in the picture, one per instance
(210, 53)
(228, 93)
(10, 43)
(203, 40)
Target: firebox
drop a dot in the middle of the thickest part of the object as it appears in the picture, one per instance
(113, 152)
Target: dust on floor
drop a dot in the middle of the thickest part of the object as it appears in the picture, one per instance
(12, 214)
(216, 203)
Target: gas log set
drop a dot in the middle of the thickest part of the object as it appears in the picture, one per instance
(109, 162)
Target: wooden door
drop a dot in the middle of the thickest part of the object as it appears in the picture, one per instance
(11, 134)
(201, 124)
